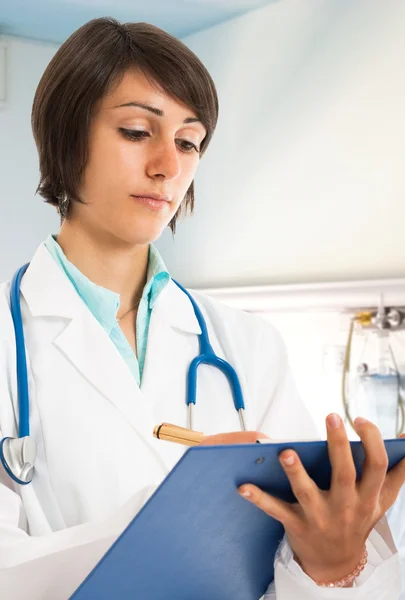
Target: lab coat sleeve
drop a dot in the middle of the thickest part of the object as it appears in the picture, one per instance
(285, 416)
(280, 413)
(381, 579)
(396, 519)
(52, 566)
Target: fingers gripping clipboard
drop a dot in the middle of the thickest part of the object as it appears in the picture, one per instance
(197, 539)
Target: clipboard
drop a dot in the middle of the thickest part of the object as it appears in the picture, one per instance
(197, 539)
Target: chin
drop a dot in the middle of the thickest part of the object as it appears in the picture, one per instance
(141, 234)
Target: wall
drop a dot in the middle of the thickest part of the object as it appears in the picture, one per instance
(24, 218)
(305, 177)
(316, 342)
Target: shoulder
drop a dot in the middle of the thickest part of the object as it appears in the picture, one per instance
(5, 315)
(7, 359)
(6, 321)
(252, 328)
(7, 335)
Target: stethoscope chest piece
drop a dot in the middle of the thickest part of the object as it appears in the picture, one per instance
(18, 457)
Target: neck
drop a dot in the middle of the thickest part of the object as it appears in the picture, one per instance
(110, 263)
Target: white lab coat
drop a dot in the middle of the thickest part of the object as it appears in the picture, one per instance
(396, 519)
(97, 460)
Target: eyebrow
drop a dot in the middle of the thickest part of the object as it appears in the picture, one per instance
(156, 111)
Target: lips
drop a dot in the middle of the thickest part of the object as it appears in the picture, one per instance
(152, 201)
(161, 197)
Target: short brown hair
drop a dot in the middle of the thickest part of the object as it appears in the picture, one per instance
(86, 66)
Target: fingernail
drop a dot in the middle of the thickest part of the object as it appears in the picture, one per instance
(288, 460)
(360, 421)
(245, 493)
(334, 421)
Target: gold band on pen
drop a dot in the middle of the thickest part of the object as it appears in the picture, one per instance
(178, 435)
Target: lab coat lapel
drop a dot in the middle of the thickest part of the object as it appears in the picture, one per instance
(88, 347)
(172, 344)
(84, 342)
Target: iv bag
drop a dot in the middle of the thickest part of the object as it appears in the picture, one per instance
(375, 391)
(375, 397)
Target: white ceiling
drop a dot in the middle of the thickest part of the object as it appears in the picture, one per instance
(55, 20)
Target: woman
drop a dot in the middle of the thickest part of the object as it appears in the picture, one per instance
(121, 118)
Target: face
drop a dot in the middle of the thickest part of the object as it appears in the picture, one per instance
(143, 155)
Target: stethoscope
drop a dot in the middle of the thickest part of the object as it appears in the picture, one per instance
(18, 454)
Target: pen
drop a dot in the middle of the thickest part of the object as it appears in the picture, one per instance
(178, 435)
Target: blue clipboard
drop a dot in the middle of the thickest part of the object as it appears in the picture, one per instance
(197, 539)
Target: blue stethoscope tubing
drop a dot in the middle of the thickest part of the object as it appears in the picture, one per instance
(18, 454)
(14, 451)
(207, 356)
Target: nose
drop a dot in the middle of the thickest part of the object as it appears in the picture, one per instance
(164, 161)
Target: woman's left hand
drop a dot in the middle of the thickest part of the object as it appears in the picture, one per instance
(327, 530)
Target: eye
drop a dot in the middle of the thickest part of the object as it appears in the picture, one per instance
(134, 134)
(186, 146)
